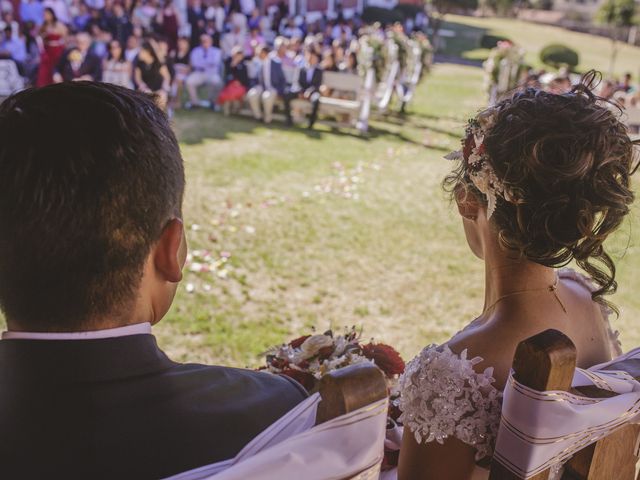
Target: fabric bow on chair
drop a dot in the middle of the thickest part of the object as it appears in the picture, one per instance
(542, 430)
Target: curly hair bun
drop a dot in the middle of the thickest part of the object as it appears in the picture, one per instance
(570, 159)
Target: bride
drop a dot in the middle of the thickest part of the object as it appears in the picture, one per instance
(542, 180)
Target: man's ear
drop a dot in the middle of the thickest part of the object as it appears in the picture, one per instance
(468, 205)
(170, 251)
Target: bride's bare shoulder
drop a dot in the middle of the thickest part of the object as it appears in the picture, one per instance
(495, 346)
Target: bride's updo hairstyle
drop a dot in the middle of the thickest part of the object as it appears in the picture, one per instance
(560, 170)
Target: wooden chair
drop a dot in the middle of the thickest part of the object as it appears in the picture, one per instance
(347, 390)
(547, 362)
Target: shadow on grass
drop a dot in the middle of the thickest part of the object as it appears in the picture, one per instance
(465, 38)
(199, 125)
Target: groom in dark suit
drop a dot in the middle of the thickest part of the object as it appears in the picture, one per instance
(91, 253)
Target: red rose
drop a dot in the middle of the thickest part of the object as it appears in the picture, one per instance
(298, 341)
(277, 362)
(482, 149)
(385, 357)
(325, 352)
(469, 145)
(305, 379)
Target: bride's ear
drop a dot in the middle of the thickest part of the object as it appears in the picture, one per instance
(468, 205)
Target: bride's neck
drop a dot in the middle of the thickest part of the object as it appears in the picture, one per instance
(505, 275)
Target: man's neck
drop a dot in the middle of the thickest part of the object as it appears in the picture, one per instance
(123, 331)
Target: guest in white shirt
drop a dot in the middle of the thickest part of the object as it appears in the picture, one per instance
(206, 69)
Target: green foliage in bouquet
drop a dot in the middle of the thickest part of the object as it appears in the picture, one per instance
(556, 55)
(426, 56)
(402, 42)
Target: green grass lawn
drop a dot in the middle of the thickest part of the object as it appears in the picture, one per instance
(594, 51)
(328, 229)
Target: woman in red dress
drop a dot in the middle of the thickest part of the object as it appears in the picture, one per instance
(53, 34)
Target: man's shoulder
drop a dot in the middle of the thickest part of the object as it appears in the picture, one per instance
(240, 381)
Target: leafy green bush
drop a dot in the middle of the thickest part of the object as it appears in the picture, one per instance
(556, 55)
(491, 41)
(382, 15)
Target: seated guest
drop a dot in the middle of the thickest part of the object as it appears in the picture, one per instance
(307, 85)
(13, 48)
(79, 63)
(116, 68)
(271, 85)
(32, 11)
(133, 48)
(206, 69)
(233, 93)
(235, 38)
(119, 24)
(152, 75)
(182, 68)
(91, 192)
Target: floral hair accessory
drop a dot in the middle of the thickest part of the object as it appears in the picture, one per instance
(477, 161)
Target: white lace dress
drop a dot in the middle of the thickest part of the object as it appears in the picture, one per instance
(443, 396)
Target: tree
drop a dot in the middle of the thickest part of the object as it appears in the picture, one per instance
(440, 8)
(617, 15)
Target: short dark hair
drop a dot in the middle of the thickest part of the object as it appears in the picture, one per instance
(90, 174)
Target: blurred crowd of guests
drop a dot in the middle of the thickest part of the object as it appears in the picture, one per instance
(205, 53)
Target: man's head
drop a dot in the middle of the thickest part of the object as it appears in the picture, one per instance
(91, 186)
(83, 40)
(206, 41)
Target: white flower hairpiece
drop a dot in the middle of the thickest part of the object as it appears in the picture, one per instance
(478, 163)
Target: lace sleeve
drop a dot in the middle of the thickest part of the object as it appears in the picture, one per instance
(442, 396)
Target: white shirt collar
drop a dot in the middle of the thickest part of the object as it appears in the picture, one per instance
(135, 329)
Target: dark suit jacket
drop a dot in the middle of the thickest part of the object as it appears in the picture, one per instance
(91, 65)
(278, 80)
(119, 408)
(314, 84)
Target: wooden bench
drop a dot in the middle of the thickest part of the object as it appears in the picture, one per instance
(356, 107)
(347, 390)
(547, 361)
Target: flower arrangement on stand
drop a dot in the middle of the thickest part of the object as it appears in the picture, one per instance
(308, 358)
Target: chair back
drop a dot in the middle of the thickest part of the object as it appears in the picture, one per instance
(547, 361)
(349, 389)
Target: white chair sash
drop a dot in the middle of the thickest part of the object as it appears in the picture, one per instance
(541, 429)
(293, 448)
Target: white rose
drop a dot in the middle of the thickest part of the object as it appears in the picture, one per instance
(314, 343)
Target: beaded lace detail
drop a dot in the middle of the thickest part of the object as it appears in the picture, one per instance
(443, 396)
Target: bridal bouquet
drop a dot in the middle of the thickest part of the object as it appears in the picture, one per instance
(308, 358)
